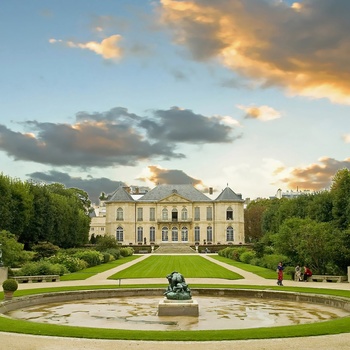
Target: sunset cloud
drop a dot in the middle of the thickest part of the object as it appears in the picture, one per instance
(157, 175)
(303, 48)
(263, 113)
(108, 48)
(315, 177)
(115, 137)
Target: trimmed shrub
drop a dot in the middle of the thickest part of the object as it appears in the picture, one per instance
(10, 285)
(114, 252)
(92, 257)
(126, 251)
(45, 250)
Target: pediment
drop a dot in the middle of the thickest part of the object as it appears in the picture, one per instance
(174, 198)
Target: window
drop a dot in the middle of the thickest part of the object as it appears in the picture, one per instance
(120, 214)
(184, 234)
(139, 234)
(165, 232)
(197, 234)
(184, 214)
(120, 234)
(102, 228)
(165, 214)
(197, 215)
(139, 214)
(229, 234)
(174, 215)
(152, 234)
(152, 214)
(174, 234)
(209, 213)
(209, 234)
(229, 214)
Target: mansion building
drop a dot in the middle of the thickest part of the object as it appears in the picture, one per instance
(171, 214)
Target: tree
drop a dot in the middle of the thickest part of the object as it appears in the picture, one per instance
(13, 253)
(253, 216)
(340, 191)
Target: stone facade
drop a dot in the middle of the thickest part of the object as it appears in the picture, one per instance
(174, 214)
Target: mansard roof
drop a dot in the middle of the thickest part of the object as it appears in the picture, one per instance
(186, 191)
(120, 195)
(227, 195)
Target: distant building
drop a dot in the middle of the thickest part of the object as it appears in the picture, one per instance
(174, 213)
(290, 194)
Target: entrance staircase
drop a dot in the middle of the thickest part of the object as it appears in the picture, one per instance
(174, 248)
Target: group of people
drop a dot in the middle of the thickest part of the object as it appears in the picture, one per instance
(298, 275)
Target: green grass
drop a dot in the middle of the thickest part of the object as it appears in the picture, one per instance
(188, 265)
(260, 271)
(91, 271)
(337, 326)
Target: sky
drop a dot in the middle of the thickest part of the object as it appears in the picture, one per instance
(250, 94)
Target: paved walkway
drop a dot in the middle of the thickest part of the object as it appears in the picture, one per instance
(29, 342)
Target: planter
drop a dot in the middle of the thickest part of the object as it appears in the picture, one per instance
(8, 294)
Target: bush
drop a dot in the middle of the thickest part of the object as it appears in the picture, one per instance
(126, 251)
(45, 250)
(71, 263)
(107, 257)
(42, 267)
(114, 252)
(105, 243)
(92, 257)
(247, 257)
(10, 285)
(271, 261)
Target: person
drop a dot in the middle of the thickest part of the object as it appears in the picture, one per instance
(280, 274)
(297, 274)
(307, 273)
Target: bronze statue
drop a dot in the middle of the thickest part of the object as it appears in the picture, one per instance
(177, 288)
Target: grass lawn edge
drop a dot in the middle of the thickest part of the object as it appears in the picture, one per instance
(336, 326)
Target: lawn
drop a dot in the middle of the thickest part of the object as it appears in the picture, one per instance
(90, 271)
(260, 271)
(190, 266)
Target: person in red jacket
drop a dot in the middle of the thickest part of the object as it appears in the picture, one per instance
(307, 273)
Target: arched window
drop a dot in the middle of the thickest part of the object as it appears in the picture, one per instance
(229, 214)
(152, 234)
(120, 234)
(184, 214)
(184, 234)
(139, 234)
(165, 232)
(174, 215)
(120, 214)
(165, 214)
(197, 234)
(209, 234)
(174, 234)
(229, 234)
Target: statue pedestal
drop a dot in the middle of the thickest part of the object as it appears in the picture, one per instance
(3, 274)
(168, 307)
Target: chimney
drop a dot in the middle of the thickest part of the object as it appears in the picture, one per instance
(210, 190)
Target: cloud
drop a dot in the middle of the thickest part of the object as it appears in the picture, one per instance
(108, 48)
(93, 186)
(346, 138)
(263, 113)
(316, 176)
(158, 175)
(303, 48)
(114, 137)
(183, 125)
